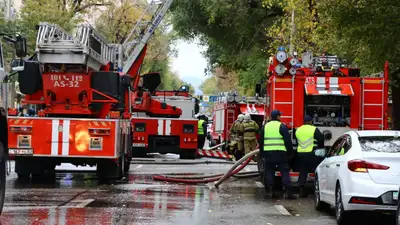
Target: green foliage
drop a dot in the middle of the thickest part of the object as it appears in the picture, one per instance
(232, 31)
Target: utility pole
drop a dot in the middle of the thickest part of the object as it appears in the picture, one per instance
(291, 50)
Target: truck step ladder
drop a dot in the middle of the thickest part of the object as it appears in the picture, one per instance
(283, 89)
(86, 47)
(372, 108)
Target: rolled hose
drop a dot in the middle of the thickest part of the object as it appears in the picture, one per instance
(228, 174)
(209, 178)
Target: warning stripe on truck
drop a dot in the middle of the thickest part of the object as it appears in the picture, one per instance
(214, 154)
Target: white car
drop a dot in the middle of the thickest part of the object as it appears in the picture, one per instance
(365, 178)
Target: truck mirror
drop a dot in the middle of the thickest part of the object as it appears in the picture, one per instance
(20, 47)
(17, 65)
(258, 88)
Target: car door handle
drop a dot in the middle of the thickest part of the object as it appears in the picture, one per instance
(327, 166)
(337, 165)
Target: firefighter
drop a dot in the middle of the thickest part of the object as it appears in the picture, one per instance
(236, 144)
(249, 128)
(276, 151)
(201, 131)
(308, 138)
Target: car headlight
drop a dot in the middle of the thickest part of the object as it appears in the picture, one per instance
(230, 98)
(281, 56)
(280, 69)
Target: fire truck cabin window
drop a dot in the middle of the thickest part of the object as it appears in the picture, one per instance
(332, 111)
(140, 127)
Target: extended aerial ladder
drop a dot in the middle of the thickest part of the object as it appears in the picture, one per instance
(84, 90)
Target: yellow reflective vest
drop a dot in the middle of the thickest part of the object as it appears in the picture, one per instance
(273, 140)
(305, 138)
(200, 130)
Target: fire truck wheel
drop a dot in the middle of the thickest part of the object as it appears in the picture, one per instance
(139, 152)
(127, 164)
(22, 168)
(109, 169)
(2, 177)
(187, 154)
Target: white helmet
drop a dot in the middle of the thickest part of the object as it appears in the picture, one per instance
(240, 117)
(247, 117)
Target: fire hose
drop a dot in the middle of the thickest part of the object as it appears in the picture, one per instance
(195, 179)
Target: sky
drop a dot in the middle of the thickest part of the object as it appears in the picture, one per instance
(189, 63)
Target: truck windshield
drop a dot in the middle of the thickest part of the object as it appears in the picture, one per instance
(385, 144)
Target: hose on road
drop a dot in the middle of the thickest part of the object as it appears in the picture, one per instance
(195, 179)
(171, 162)
(231, 171)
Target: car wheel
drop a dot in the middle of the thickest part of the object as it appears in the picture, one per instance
(398, 214)
(319, 206)
(342, 217)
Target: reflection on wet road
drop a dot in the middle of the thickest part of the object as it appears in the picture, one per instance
(76, 198)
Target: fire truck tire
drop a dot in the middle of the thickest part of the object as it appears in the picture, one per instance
(187, 154)
(2, 177)
(22, 168)
(108, 169)
(127, 164)
(139, 152)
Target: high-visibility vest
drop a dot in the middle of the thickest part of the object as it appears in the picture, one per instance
(305, 138)
(273, 140)
(200, 130)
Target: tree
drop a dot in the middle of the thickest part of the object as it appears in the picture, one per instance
(236, 43)
(65, 13)
(367, 32)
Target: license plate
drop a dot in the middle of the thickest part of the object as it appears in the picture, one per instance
(138, 145)
(395, 195)
(20, 151)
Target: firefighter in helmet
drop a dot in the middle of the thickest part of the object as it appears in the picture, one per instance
(249, 128)
(201, 131)
(276, 150)
(236, 144)
(308, 138)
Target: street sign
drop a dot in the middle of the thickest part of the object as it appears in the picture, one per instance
(213, 98)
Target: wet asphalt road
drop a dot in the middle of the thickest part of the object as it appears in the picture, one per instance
(76, 198)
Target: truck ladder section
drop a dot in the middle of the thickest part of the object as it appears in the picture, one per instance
(283, 89)
(87, 47)
(372, 108)
(141, 33)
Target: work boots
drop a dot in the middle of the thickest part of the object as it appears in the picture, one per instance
(289, 193)
(303, 192)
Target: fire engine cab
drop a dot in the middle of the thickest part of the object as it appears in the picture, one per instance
(226, 110)
(330, 91)
(164, 134)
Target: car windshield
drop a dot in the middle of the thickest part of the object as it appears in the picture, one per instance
(386, 144)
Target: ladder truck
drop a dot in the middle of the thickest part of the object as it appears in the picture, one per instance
(85, 91)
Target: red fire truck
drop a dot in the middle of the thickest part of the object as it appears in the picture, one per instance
(167, 135)
(334, 94)
(226, 110)
(330, 91)
(85, 91)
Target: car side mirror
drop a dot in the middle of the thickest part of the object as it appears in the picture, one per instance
(20, 47)
(321, 152)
